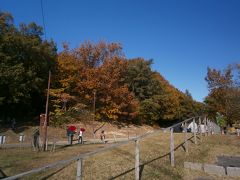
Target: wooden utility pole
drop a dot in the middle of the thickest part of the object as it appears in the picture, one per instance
(94, 113)
(94, 103)
(46, 115)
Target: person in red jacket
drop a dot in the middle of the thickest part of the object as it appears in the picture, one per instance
(71, 130)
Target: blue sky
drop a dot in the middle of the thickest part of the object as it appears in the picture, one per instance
(182, 37)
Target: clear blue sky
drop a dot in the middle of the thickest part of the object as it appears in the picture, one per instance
(183, 37)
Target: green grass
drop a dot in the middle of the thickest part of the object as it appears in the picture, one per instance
(119, 162)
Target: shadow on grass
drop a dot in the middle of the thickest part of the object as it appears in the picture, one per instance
(2, 174)
(155, 159)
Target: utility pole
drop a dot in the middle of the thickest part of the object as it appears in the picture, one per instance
(94, 103)
(46, 115)
(94, 113)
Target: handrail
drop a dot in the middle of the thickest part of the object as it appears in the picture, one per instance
(85, 155)
(164, 129)
(56, 164)
(187, 120)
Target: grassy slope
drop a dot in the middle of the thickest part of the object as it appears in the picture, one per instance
(119, 162)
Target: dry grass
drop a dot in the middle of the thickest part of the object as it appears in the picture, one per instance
(119, 163)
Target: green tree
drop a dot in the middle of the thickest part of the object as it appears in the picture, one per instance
(139, 78)
(150, 111)
(221, 121)
(25, 60)
(188, 94)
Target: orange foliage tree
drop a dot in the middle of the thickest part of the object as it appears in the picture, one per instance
(224, 93)
(94, 68)
(98, 79)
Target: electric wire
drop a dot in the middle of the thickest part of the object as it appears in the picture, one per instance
(43, 19)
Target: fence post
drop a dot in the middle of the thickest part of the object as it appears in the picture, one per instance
(79, 169)
(194, 131)
(137, 159)
(208, 127)
(2, 140)
(205, 125)
(172, 148)
(200, 129)
(185, 138)
(46, 145)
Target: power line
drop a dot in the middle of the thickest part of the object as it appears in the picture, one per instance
(43, 19)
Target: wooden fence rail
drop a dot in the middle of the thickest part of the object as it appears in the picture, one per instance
(79, 159)
(172, 148)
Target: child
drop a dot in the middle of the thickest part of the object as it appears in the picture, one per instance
(102, 136)
(80, 138)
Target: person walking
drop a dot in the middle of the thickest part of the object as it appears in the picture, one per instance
(36, 137)
(102, 136)
(71, 130)
(80, 136)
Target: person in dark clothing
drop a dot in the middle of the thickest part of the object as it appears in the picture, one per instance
(13, 123)
(36, 135)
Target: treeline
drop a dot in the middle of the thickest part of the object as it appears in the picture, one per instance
(98, 78)
(93, 81)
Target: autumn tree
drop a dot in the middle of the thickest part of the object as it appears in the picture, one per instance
(224, 93)
(95, 68)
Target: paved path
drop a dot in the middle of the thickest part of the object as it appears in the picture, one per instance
(62, 143)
